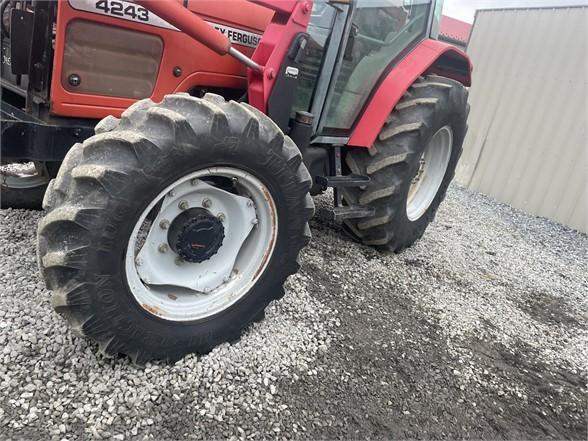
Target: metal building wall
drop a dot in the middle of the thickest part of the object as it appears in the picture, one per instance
(527, 141)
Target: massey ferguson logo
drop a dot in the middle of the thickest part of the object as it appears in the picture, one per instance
(237, 36)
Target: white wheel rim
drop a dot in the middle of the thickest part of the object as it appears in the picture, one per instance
(184, 291)
(428, 178)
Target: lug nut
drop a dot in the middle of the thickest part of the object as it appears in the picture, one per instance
(221, 217)
(254, 221)
(139, 262)
(178, 261)
(183, 205)
(163, 248)
(206, 203)
(250, 203)
(164, 224)
(194, 182)
(172, 193)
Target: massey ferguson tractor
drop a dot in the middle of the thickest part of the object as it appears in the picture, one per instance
(175, 146)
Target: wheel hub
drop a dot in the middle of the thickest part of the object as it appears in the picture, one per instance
(196, 235)
(234, 227)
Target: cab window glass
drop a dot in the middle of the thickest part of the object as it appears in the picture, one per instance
(381, 31)
(319, 30)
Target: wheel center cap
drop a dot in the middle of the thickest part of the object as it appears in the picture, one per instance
(196, 235)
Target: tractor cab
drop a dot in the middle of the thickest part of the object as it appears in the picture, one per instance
(352, 45)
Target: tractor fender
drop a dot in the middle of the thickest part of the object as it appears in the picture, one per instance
(428, 57)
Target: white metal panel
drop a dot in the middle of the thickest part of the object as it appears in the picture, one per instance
(527, 141)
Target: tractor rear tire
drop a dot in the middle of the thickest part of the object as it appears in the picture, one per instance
(106, 183)
(431, 117)
(26, 192)
(22, 198)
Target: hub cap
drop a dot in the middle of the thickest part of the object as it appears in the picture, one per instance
(196, 235)
(428, 178)
(212, 235)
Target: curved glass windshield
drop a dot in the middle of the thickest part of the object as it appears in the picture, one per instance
(382, 30)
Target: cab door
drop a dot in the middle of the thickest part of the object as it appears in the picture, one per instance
(352, 45)
(382, 33)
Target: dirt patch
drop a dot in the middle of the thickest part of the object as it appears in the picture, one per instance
(535, 400)
(394, 372)
(392, 375)
(547, 308)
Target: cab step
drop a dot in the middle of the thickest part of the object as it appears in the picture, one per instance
(342, 181)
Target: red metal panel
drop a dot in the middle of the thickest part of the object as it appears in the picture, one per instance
(455, 29)
(274, 46)
(284, 6)
(182, 18)
(420, 60)
(200, 66)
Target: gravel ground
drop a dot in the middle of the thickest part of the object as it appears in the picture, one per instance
(479, 331)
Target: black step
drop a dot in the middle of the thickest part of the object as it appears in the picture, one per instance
(342, 181)
(352, 212)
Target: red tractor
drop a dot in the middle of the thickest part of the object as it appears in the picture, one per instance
(180, 141)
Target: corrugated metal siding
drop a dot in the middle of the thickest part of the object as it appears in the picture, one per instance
(527, 141)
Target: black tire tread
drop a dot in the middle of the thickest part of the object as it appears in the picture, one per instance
(93, 174)
(388, 162)
(22, 198)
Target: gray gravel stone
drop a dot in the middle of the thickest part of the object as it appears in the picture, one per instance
(481, 271)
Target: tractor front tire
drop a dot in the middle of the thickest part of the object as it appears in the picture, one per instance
(114, 179)
(411, 164)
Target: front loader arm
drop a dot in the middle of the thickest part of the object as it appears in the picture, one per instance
(182, 18)
(291, 17)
